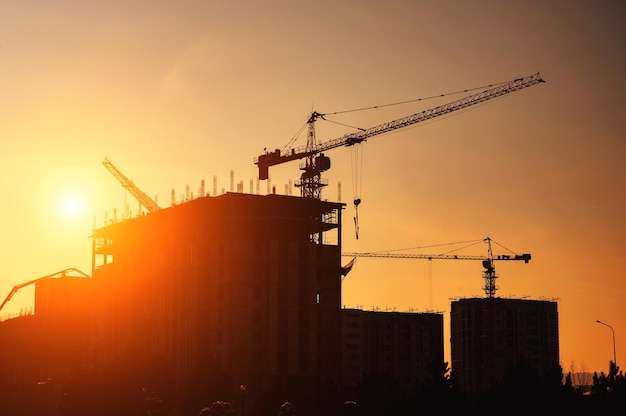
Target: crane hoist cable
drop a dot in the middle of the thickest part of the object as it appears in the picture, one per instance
(357, 182)
(356, 161)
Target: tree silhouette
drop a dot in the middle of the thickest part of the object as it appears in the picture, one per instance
(437, 390)
(380, 394)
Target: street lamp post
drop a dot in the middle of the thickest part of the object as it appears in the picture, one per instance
(614, 355)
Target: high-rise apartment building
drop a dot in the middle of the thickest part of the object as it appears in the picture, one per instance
(407, 345)
(491, 335)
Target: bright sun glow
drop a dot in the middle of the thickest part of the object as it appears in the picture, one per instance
(71, 207)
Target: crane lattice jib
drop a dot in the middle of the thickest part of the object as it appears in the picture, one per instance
(525, 257)
(278, 157)
(358, 137)
(143, 199)
(490, 277)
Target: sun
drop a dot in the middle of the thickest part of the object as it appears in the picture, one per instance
(71, 207)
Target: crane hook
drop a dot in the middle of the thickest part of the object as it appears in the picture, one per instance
(356, 216)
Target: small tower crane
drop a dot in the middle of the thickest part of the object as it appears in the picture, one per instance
(143, 199)
(489, 274)
(316, 162)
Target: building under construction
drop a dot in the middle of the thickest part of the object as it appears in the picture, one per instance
(245, 286)
(242, 292)
(224, 294)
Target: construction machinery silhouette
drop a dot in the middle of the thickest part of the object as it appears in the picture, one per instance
(143, 199)
(62, 273)
(489, 274)
(316, 162)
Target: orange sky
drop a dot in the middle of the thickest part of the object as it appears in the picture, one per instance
(176, 92)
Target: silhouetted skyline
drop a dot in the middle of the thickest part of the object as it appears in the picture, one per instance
(178, 93)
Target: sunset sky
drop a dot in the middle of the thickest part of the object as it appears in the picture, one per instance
(174, 93)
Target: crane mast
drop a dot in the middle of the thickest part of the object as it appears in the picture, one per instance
(489, 274)
(310, 182)
(316, 162)
(143, 199)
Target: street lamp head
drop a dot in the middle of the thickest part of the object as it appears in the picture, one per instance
(614, 365)
(604, 323)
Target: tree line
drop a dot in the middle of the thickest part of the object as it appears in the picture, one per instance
(146, 388)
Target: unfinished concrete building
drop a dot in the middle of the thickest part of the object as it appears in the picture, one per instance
(246, 286)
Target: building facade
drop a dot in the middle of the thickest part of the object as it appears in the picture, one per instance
(407, 345)
(244, 286)
(492, 335)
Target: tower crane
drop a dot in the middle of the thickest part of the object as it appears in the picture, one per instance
(143, 199)
(489, 274)
(63, 273)
(316, 162)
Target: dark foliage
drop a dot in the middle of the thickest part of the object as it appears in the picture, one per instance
(608, 394)
(140, 386)
(438, 391)
(381, 394)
